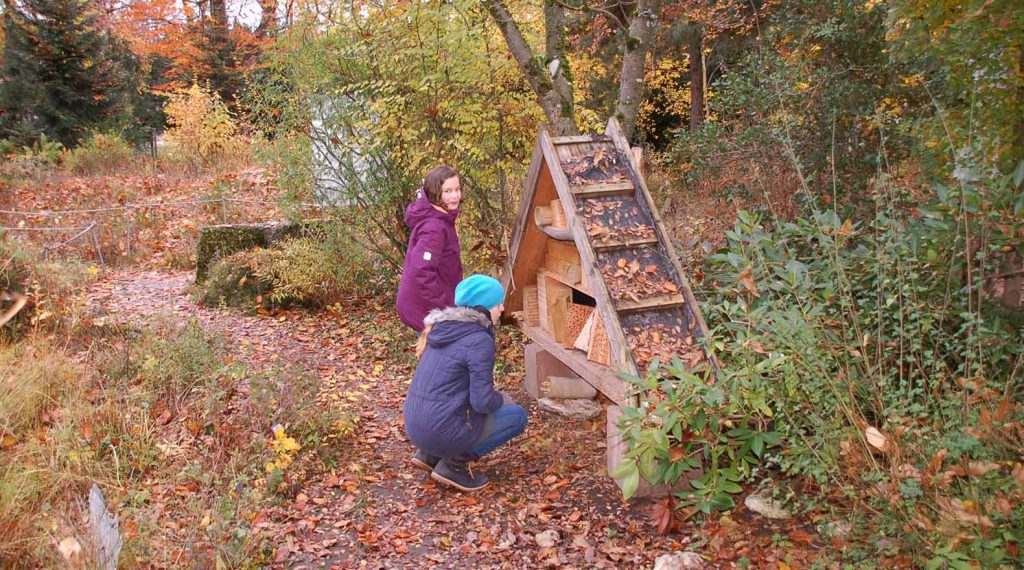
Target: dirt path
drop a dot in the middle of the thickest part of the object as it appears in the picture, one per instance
(372, 510)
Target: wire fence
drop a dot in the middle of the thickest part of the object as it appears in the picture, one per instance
(90, 230)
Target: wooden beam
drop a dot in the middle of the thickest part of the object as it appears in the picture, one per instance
(603, 378)
(624, 244)
(598, 190)
(520, 229)
(659, 302)
(579, 139)
(581, 286)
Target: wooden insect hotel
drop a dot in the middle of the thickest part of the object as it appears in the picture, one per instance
(592, 276)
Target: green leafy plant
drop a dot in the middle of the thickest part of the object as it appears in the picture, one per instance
(687, 429)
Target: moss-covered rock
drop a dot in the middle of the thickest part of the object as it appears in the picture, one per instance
(216, 242)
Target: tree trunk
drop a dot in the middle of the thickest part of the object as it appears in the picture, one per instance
(553, 92)
(631, 80)
(268, 21)
(694, 50)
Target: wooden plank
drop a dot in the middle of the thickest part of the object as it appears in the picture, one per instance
(579, 286)
(579, 139)
(599, 190)
(558, 298)
(625, 244)
(614, 131)
(620, 358)
(659, 302)
(511, 279)
(603, 378)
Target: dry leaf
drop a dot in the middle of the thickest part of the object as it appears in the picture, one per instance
(746, 279)
(876, 439)
(1018, 473)
(960, 511)
(979, 468)
(69, 548)
(651, 268)
(621, 263)
(670, 287)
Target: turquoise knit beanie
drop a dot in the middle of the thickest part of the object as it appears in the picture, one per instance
(479, 290)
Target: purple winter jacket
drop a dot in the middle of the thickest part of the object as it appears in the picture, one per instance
(452, 391)
(433, 262)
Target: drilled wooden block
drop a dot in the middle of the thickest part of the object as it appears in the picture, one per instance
(530, 306)
(578, 315)
(599, 351)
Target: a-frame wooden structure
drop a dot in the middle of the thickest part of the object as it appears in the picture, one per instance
(591, 272)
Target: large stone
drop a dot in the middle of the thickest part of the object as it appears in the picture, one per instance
(573, 409)
(679, 561)
(766, 506)
(540, 364)
(616, 450)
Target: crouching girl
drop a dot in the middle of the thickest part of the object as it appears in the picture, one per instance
(453, 414)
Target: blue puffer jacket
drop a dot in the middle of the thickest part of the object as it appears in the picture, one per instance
(452, 390)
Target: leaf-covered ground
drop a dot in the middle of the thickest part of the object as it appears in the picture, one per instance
(371, 509)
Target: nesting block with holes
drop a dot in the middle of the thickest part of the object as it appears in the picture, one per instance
(578, 316)
(531, 309)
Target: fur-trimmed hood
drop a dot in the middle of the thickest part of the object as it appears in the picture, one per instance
(461, 314)
(452, 323)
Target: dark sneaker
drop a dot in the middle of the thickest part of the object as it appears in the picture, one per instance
(423, 460)
(455, 472)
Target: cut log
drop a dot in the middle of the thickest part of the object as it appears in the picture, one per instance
(567, 388)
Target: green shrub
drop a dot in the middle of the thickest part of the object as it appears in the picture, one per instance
(100, 153)
(232, 280)
(302, 272)
(307, 271)
(883, 369)
(688, 426)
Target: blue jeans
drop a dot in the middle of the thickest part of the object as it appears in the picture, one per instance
(500, 427)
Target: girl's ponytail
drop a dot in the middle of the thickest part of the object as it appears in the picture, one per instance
(421, 342)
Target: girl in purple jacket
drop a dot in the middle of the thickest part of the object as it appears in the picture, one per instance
(453, 414)
(433, 261)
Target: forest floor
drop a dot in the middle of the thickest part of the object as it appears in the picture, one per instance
(371, 509)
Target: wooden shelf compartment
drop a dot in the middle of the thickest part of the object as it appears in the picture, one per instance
(601, 377)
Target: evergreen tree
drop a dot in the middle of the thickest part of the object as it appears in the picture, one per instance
(61, 73)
